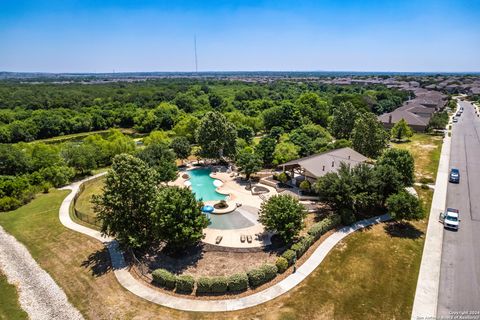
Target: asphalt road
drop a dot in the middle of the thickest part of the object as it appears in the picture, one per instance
(459, 292)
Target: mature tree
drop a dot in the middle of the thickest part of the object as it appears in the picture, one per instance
(313, 108)
(285, 115)
(368, 135)
(44, 155)
(265, 149)
(156, 137)
(248, 162)
(177, 217)
(350, 188)
(276, 132)
(309, 138)
(159, 157)
(245, 132)
(284, 152)
(404, 205)
(388, 181)
(343, 120)
(181, 146)
(216, 101)
(284, 215)
(82, 157)
(57, 175)
(128, 202)
(13, 161)
(216, 136)
(401, 130)
(402, 161)
(186, 127)
(439, 120)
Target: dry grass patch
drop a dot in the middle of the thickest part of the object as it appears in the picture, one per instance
(426, 151)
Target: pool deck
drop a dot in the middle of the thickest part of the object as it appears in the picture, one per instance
(235, 188)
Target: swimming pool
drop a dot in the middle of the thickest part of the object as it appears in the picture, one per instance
(202, 185)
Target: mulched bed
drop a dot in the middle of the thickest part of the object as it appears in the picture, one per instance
(134, 270)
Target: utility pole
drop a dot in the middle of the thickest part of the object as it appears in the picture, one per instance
(195, 46)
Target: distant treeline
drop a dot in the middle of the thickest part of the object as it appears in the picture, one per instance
(30, 111)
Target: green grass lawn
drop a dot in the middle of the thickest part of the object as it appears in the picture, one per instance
(371, 274)
(9, 306)
(93, 187)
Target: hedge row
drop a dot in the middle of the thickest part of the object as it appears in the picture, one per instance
(261, 275)
(327, 224)
(186, 284)
(253, 278)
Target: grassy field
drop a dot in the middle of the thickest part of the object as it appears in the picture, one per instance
(84, 203)
(9, 306)
(426, 151)
(372, 274)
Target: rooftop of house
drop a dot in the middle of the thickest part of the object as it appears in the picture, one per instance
(320, 164)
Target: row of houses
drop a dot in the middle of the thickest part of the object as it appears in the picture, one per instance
(416, 112)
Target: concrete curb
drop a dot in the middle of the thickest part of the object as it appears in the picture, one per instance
(143, 291)
(426, 294)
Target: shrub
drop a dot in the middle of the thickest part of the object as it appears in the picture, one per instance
(282, 264)
(270, 271)
(219, 285)
(46, 187)
(9, 203)
(185, 283)
(403, 205)
(256, 277)
(289, 255)
(283, 177)
(237, 282)
(204, 285)
(164, 278)
(302, 246)
(320, 228)
(259, 276)
(347, 216)
(305, 185)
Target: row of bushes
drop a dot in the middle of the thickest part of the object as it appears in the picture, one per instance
(205, 285)
(253, 278)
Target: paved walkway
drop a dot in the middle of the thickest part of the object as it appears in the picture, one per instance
(142, 290)
(426, 294)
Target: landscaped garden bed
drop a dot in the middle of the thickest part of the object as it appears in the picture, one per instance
(209, 271)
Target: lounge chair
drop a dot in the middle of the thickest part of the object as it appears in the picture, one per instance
(249, 239)
(242, 238)
(218, 239)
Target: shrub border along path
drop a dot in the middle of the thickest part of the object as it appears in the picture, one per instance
(142, 290)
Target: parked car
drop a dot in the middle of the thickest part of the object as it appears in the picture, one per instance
(454, 176)
(455, 120)
(450, 219)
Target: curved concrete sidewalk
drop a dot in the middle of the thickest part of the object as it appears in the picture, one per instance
(142, 290)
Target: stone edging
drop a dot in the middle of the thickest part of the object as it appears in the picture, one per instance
(143, 291)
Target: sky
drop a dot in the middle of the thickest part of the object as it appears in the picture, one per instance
(281, 35)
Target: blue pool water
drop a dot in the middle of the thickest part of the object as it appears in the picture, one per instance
(202, 185)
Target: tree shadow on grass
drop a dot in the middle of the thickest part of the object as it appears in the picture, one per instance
(403, 229)
(98, 262)
(173, 261)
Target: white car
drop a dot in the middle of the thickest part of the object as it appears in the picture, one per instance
(455, 120)
(451, 219)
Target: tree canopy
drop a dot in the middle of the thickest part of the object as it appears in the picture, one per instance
(284, 215)
(216, 136)
(368, 135)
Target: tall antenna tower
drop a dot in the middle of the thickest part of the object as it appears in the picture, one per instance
(195, 46)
